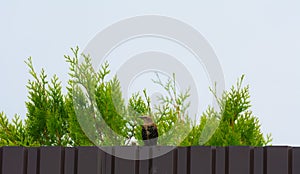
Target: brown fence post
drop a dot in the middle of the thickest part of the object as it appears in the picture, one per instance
(296, 160)
(51, 160)
(70, 160)
(13, 160)
(182, 160)
(145, 153)
(89, 160)
(129, 165)
(239, 160)
(1, 161)
(33, 160)
(277, 160)
(107, 160)
(164, 163)
(258, 160)
(201, 159)
(221, 166)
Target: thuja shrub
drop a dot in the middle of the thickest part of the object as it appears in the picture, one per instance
(234, 121)
(93, 112)
(46, 121)
(14, 133)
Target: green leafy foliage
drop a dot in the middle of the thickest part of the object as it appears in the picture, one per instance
(14, 133)
(235, 122)
(46, 117)
(93, 112)
(173, 121)
(98, 104)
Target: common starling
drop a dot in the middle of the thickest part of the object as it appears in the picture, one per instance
(149, 131)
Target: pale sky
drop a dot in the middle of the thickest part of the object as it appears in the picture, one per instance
(260, 39)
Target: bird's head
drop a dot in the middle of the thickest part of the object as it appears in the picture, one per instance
(146, 119)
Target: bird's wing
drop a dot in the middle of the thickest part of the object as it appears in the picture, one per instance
(153, 132)
(144, 133)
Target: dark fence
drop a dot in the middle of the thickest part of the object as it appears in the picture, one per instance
(180, 160)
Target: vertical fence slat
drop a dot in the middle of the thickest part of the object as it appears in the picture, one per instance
(51, 160)
(277, 160)
(182, 162)
(107, 160)
(69, 161)
(88, 160)
(128, 165)
(258, 160)
(163, 161)
(1, 160)
(13, 160)
(145, 162)
(296, 160)
(201, 159)
(32, 160)
(239, 159)
(220, 166)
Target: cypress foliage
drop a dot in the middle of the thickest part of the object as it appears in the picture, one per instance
(93, 112)
(234, 122)
(46, 119)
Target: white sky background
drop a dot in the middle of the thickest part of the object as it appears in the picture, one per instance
(260, 39)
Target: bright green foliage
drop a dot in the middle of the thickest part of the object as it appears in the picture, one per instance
(14, 133)
(46, 117)
(76, 133)
(237, 126)
(171, 117)
(201, 133)
(93, 112)
(98, 104)
(235, 122)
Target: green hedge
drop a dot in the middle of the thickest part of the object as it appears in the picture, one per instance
(53, 118)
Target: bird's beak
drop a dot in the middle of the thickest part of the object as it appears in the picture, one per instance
(142, 117)
(141, 120)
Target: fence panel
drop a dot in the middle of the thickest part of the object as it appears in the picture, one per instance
(14, 160)
(107, 160)
(145, 164)
(51, 160)
(295, 160)
(128, 165)
(182, 160)
(88, 160)
(175, 160)
(201, 160)
(163, 163)
(239, 160)
(258, 160)
(70, 160)
(277, 160)
(220, 160)
(33, 160)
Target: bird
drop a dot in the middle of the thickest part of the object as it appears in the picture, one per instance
(149, 131)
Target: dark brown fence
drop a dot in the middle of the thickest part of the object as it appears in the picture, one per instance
(181, 160)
